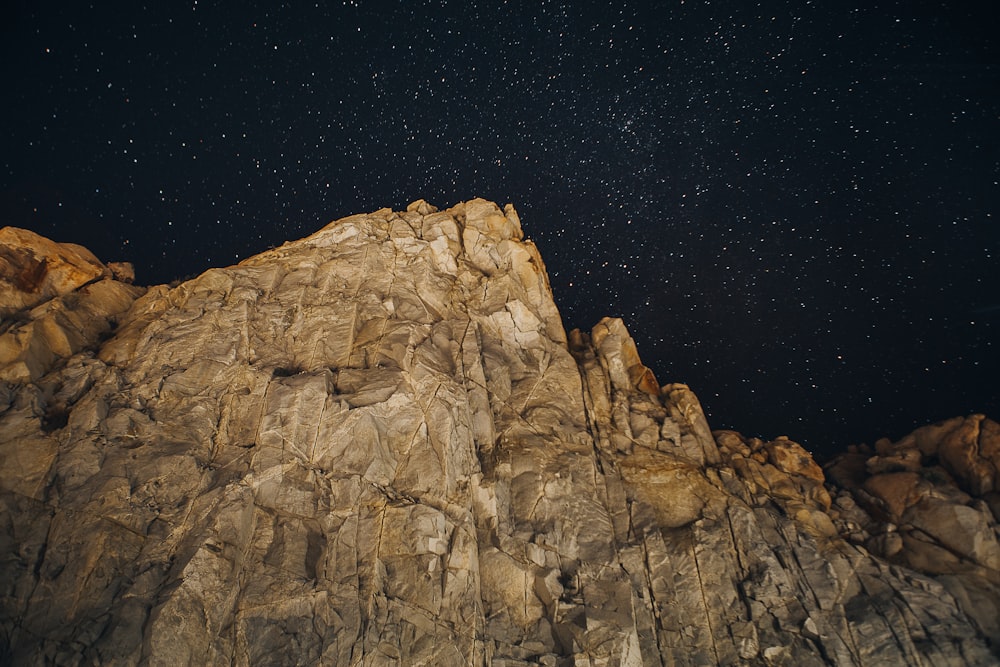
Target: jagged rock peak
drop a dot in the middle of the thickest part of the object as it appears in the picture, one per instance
(378, 446)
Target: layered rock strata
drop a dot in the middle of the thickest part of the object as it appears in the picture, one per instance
(378, 446)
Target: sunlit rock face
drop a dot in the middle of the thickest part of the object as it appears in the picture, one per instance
(378, 446)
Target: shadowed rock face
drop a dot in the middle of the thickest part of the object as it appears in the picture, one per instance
(930, 503)
(378, 446)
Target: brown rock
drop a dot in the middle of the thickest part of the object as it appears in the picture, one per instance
(943, 530)
(898, 491)
(966, 446)
(122, 271)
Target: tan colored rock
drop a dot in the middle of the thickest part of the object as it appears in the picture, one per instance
(54, 302)
(377, 445)
(34, 269)
(61, 327)
(962, 530)
(780, 470)
(678, 494)
(791, 458)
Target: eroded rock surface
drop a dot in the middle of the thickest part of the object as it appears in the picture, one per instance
(930, 502)
(378, 446)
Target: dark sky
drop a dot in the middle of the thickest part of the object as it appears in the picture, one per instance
(793, 205)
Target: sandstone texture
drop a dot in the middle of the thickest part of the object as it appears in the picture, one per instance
(378, 446)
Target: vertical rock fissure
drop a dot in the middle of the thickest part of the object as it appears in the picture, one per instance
(654, 604)
(704, 600)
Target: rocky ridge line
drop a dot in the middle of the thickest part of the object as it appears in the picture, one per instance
(378, 446)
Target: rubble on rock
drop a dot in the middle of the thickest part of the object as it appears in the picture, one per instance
(378, 446)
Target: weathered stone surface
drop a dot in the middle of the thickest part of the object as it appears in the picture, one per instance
(34, 269)
(926, 505)
(33, 343)
(378, 446)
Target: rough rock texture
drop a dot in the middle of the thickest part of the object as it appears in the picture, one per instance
(378, 446)
(930, 502)
(55, 299)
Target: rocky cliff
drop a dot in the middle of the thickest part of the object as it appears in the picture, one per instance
(378, 446)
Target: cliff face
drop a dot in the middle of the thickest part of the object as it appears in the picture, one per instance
(378, 446)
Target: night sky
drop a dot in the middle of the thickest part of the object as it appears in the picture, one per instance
(793, 205)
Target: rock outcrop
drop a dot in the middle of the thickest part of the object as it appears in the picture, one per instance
(378, 446)
(930, 502)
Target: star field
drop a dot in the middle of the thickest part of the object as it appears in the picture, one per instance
(793, 205)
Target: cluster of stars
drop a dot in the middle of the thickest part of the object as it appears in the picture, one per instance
(791, 207)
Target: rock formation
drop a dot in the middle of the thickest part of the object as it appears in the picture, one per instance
(378, 446)
(930, 503)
